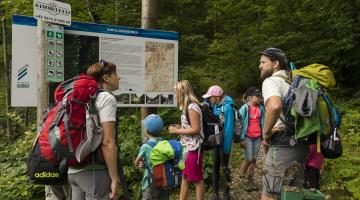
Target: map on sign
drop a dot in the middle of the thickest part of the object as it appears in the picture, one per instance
(159, 67)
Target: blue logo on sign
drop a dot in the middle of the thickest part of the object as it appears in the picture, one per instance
(22, 72)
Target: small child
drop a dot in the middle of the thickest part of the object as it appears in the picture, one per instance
(253, 117)
(312, 169)
(153, 125)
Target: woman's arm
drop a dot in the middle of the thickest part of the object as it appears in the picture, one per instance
(108, 148)
(195, 125)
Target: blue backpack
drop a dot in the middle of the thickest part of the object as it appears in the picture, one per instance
(166, 157)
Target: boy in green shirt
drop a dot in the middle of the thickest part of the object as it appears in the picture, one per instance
(153, 125)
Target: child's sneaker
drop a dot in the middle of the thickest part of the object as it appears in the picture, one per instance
(214, 196)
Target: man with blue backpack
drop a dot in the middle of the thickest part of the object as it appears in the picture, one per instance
(285, 156)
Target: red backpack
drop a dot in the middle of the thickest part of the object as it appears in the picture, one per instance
(64, 126)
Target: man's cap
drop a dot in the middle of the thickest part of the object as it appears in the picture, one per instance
(153, 124)
(252, 91)
(276, 54)
(215, 91)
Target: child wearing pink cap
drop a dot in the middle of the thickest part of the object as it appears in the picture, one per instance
(222, 107)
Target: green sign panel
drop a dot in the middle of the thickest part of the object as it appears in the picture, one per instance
(54, 52)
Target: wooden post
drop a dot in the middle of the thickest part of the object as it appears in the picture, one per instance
(42, 84)
(148, 21)
(7, 85)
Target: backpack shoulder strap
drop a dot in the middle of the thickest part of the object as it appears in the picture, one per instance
(152, 143)
(187, 112)
(285, 78)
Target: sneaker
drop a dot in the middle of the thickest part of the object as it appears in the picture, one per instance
(254, 187)
(226, 193)
(226, 196)
(250, 185)
(214, 196)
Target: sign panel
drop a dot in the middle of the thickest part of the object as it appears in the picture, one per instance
(54, 38)
(24, 66)
(52, 11)
(146, 60)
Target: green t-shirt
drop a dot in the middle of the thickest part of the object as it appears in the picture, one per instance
(144, 154)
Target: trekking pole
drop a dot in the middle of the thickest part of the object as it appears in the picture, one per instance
(119, 164)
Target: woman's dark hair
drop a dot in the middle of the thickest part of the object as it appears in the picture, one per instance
(101, 68)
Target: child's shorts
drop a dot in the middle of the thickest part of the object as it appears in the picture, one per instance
(252, 146)
(193, 166)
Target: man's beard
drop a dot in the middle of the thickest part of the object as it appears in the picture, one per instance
(265, 74)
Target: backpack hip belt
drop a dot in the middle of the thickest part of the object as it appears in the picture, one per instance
(282, 139)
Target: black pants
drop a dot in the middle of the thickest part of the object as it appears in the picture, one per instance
(220, 160)
(312, 178)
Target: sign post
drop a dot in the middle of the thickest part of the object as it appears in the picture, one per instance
(50, 48)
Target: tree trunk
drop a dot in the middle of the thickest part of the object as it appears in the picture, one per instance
(7, 85)
(42, 84)
(148, 21)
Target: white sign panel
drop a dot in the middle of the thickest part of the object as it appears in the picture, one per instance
(146, 60)
(52, 11)
(24, 66)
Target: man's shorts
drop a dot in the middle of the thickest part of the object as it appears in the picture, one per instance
(284, 166)
(252, 146)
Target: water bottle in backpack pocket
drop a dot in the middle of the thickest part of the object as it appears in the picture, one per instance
(331, 146)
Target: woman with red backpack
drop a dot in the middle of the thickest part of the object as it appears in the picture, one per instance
(95, 180)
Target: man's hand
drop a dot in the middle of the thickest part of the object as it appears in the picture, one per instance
(266, 144)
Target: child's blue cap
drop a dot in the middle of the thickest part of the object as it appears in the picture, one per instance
(153, 124)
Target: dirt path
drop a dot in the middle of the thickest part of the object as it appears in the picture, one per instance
(237, 184)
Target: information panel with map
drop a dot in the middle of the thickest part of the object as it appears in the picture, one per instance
(146, 60)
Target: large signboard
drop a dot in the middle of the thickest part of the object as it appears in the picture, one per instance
(52, 11)
(146, 60)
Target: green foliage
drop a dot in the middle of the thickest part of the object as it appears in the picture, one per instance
(13, 170)
(342, 175)
(219, 41)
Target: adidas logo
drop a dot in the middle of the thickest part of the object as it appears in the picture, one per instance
(47, 175)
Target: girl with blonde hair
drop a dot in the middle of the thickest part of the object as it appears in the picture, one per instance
(191, 132)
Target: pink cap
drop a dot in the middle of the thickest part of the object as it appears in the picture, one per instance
(214, 90)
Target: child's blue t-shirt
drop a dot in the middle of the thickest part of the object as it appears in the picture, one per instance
(144, 154)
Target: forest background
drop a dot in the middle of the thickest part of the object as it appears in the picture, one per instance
(218, 44)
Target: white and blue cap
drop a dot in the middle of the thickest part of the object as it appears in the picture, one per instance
(153, 124)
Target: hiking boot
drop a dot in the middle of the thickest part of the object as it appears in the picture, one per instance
(214, 196)
(254, 186)
(250, 185)
(226, 193)
(226, 196)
